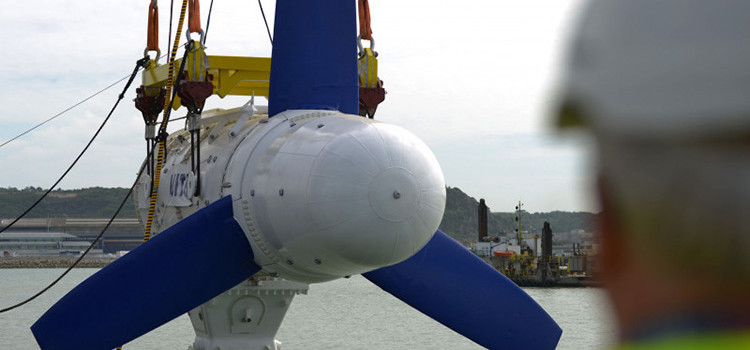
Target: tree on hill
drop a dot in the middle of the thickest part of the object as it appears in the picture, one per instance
(95, 202)
(459, 220)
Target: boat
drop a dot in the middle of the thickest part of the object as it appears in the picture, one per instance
(529, 261)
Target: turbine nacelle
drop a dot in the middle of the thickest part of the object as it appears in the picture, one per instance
(319, 194)
(310, 195)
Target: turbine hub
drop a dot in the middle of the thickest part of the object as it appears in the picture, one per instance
(357, 194)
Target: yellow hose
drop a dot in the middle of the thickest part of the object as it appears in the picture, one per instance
(163, 128)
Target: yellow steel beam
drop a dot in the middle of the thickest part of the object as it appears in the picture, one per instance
(233, 75)
(240, 75)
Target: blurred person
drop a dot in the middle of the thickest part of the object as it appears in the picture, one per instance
(664, 86)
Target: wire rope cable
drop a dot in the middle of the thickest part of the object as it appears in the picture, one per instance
(161, 145)
(119, 98)
(64, 111)
(169, 35)
(69, 108)
(265, 21)
(112, 219)
(208, 21)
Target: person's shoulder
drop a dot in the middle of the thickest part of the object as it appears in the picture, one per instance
(739, 340)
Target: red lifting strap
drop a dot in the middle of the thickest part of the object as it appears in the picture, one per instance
(194, 16)
(365, 32)
(152, 35)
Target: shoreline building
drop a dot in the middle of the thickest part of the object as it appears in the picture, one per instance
(124, 234)
(36, 243)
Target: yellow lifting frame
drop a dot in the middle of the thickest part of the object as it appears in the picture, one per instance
(233, 75)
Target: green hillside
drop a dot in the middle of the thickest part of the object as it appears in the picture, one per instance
(459, 221)
(95, 202)
(460, 218)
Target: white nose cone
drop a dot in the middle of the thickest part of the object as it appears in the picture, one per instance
(376, 194)
(338, 195)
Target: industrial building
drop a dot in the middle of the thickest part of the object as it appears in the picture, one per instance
(55, 236)
(35, 243)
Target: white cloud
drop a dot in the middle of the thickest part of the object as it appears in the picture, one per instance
(544, 172)
(475, 73)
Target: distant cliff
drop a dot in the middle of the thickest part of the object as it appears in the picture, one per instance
(459, 221)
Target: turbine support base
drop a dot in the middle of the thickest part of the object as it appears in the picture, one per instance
(245, 317)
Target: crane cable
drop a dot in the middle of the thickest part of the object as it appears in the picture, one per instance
(208, 21)
(371, 92)
(109, 223)
(64, 111)
(120, 97)
(162, 136)
(268, 30)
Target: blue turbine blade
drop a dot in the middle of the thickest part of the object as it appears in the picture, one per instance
(450, 284)
(314, 58)
(179, 269)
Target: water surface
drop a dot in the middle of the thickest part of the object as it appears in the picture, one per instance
(343, 314)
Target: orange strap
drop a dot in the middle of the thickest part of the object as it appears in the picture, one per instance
(152, 35)
(365, 32)
(194, 16)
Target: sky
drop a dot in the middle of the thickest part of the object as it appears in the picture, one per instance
(476, 80)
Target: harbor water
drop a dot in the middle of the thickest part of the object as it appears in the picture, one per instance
(343, 314)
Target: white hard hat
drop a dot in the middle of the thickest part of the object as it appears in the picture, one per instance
(660, 69)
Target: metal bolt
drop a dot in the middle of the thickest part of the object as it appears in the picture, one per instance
(248, 313)
(396, 194)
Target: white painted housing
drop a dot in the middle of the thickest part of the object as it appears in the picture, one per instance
(319, 194)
